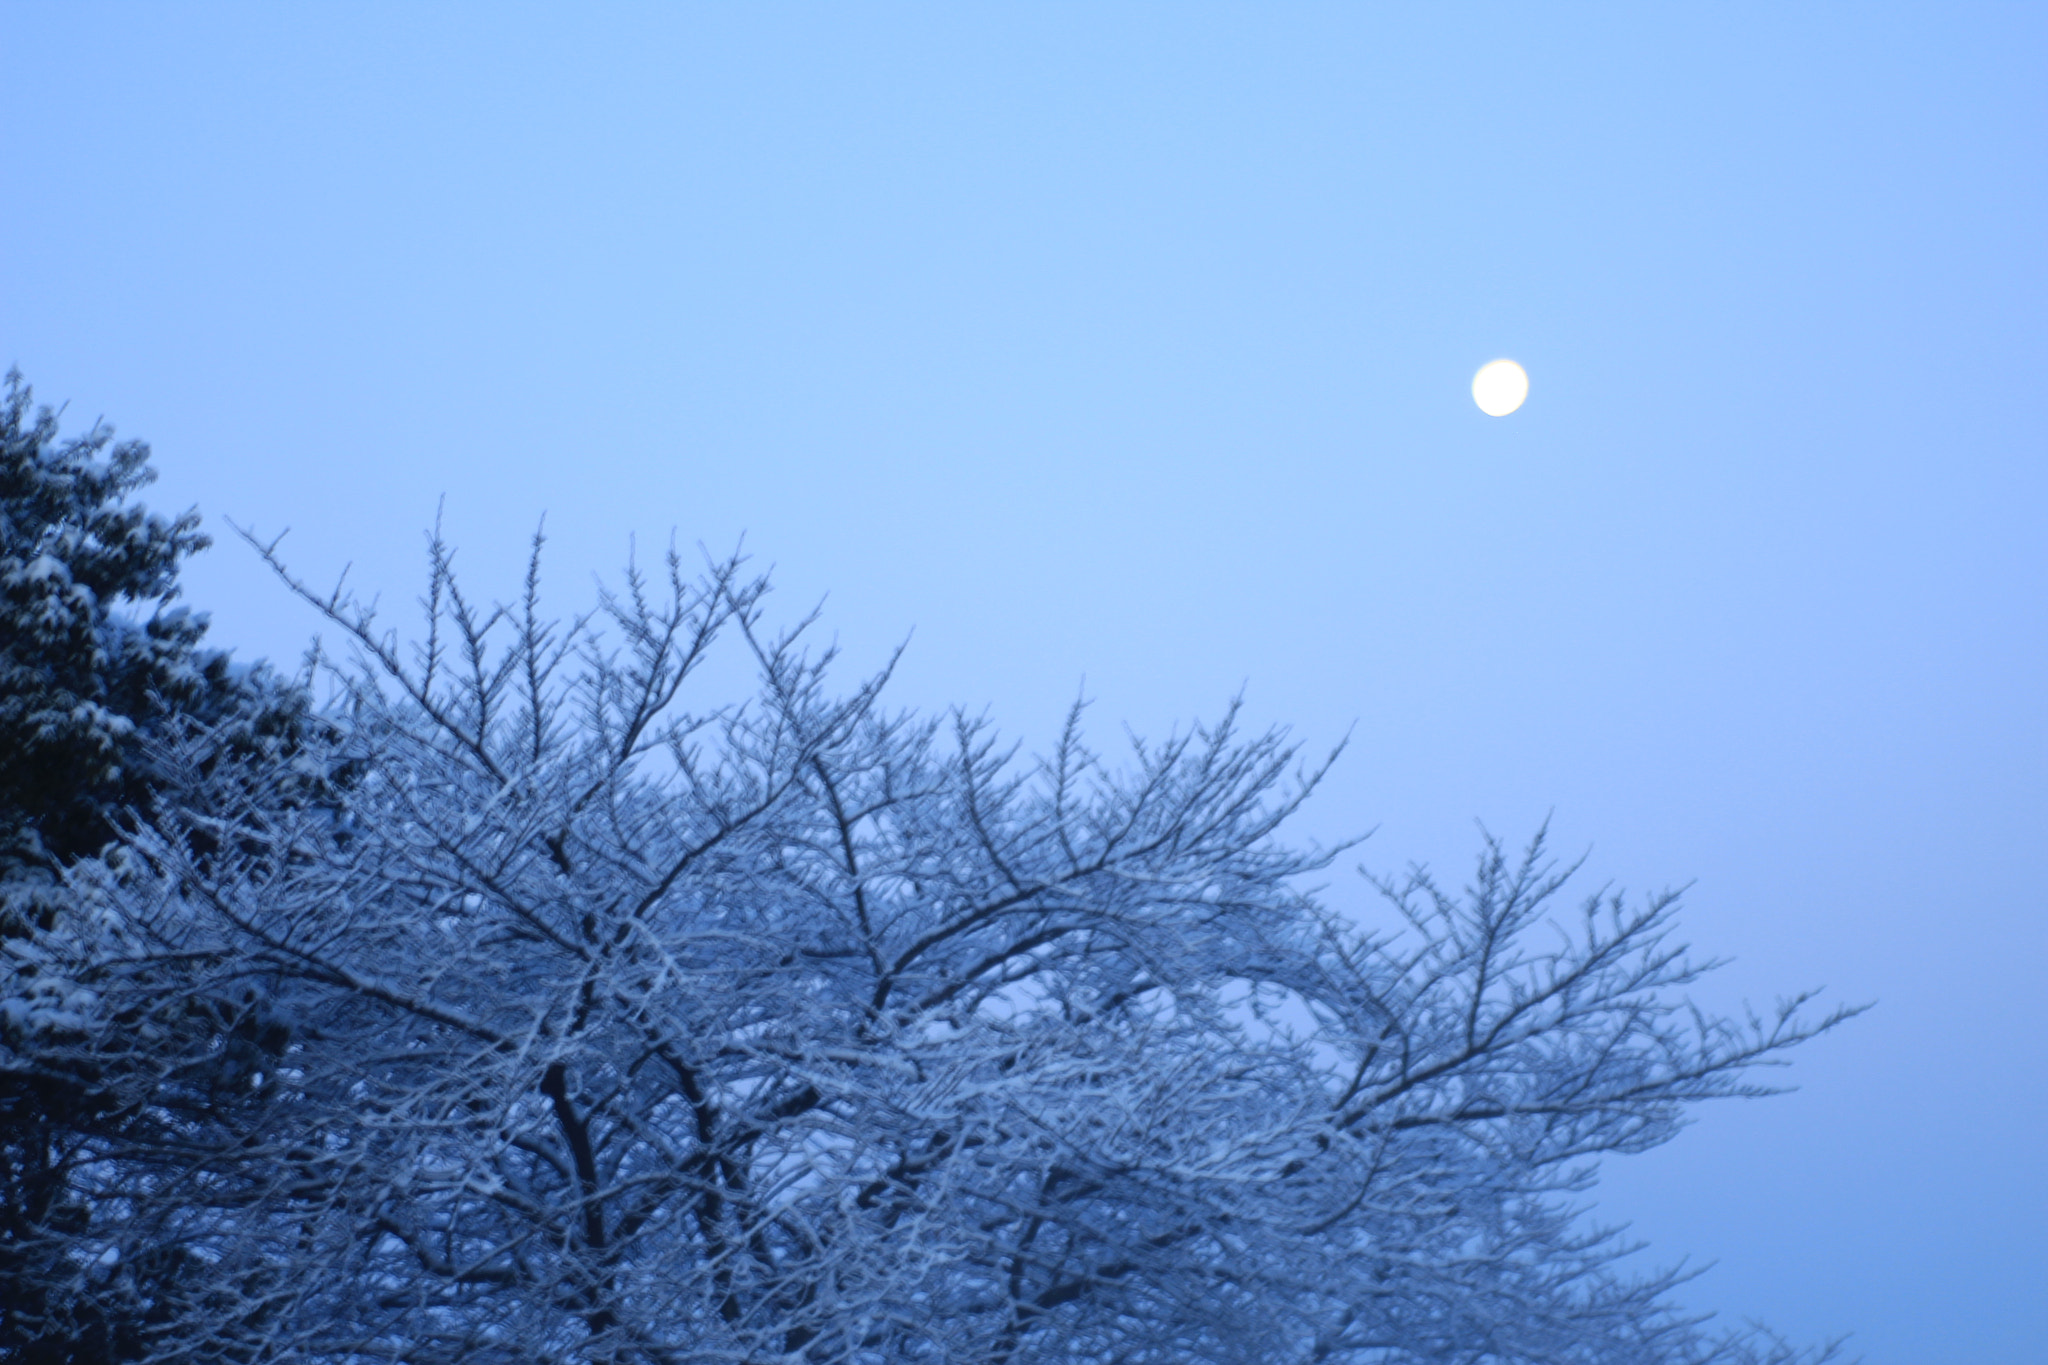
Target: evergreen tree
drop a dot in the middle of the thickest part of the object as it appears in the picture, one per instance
(99, 666)
(94, 653)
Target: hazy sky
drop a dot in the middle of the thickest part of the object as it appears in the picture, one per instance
(1130, 345)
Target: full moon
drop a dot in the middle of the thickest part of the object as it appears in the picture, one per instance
(1499, 387)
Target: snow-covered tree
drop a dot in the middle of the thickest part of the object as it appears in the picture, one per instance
(599, 1022)
(99, 668)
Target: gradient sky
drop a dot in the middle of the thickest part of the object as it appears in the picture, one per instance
(1127, 347)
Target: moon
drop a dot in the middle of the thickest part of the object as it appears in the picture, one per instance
(1499, 387)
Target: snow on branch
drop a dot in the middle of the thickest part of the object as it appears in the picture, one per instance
(584, 1018)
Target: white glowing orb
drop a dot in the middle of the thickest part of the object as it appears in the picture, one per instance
(1499, 387)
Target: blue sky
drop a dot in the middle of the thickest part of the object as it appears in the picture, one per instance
(1126, 347)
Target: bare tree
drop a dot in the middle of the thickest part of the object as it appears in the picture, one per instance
(591, 1023)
